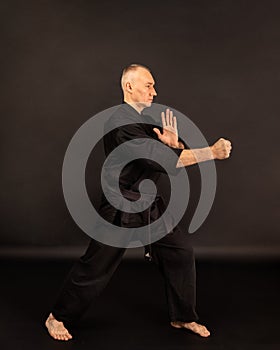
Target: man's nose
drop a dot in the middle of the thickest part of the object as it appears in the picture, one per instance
(154, 93)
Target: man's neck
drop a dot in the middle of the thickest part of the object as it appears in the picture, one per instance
(135, 106)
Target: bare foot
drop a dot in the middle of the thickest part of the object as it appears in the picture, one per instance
(193, 326)
(57, 329)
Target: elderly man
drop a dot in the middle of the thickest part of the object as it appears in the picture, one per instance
(173, 253)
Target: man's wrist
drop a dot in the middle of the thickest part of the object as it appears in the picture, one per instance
(213, 152)
(178, 145)
(181, 145)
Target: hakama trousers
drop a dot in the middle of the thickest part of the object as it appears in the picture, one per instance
(173, 254)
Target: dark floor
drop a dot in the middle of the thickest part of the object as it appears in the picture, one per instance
(239, 302)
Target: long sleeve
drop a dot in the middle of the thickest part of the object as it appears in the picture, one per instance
(138, 133)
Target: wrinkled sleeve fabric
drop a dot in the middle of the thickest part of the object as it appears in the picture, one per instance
(138, 134)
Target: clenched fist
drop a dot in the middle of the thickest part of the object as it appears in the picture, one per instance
(221, 149)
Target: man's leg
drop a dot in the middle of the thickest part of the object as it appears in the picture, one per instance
(175, 258)
(87, 279)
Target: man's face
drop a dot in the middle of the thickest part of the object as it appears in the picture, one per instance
(143, 91)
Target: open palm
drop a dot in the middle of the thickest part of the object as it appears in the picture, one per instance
(169, 134)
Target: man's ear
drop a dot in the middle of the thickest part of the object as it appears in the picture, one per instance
(128, 87)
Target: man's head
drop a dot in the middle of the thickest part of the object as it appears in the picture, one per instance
(138, 86)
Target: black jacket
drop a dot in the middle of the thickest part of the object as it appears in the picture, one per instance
(137, 170)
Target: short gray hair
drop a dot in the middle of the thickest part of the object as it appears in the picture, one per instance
(131, 68)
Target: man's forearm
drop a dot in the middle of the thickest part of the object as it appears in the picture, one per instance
(194, 156)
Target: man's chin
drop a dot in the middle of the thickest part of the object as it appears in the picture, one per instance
(147, 104)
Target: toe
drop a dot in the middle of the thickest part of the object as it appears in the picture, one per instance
(198, 329)
(69, 336)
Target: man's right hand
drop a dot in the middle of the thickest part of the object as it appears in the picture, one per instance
(221, 149)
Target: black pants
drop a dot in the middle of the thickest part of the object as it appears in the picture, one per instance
(173, 255)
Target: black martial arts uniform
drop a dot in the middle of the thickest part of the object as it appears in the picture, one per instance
(173, 253)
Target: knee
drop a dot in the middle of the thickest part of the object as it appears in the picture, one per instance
(183, 257)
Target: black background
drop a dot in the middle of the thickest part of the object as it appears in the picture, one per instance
(215, 61)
